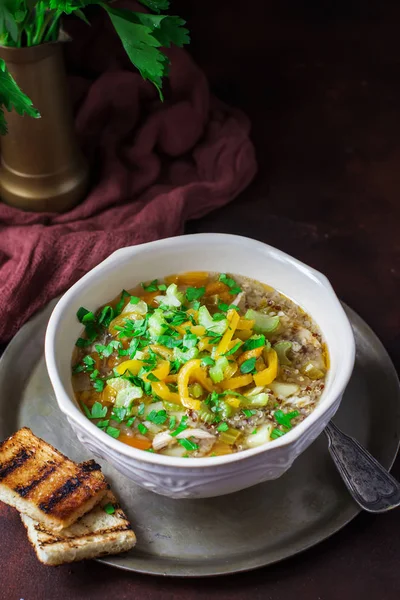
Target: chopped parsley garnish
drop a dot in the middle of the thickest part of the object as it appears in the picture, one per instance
(142, 428)
(225, 307)
(158, 418)
(249, 412)
(223, 427)
(119, 413)
(98, 411)
(231, 283)
(106, 316)
(254, 431)
(207, 361)
(172, 422)
(103, 424)
(285, 418)
(121, 303)
(134, 300)
(248, 365)
(275, 433)
(194, 293)
(152, 377)
(113, 432)
(181, 427)
(218, 316)
(85, 316)
(109, 509)
(168, 341)
(106, 351)
(141, 408)
(151, 287)
(255, 342)
(162, 287)
(190, 340)
(130, 421)
(98, 385)
(234, 349)
(188, 444)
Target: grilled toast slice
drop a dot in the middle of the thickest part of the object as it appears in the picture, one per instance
(96, 534)
(42, 483)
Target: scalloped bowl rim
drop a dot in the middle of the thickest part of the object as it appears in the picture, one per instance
(71, 410)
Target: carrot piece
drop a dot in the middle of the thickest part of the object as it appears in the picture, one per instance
(216, 287)
(135, 442)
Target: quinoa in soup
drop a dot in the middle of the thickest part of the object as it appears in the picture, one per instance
(198, 364)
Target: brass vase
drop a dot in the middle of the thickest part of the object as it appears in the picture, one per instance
(42, 168)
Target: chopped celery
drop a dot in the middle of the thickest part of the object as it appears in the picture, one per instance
(230, 436)
(205, 413)
(255, 401)
(206, 320)
(262, 323)
(171, 406)
(217, 371)
(185, 356)
(140, 308)
(196, 391)
(284, 390)
(312, 372)
(119, 383)
(127, 396)
(157, 323)
(282, 348)
(262, 436)
(225, 410)
(173, 298)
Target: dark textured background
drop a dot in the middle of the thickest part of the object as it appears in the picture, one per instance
(321, 83)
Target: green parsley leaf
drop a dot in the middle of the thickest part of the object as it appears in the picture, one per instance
(98, 411)
(121, 303)
(86, 410)
(188, 444)
(218, 316)
(231, 283)
(84, 315)
(254, 342)
(141, 408)
(181, 427)
(158, 418)
(190, 340)
(98, 385)
(130, 421)
(223, 427)
(78, 368)
(172, 422)
(248, 365)
(118, 413)
(113, 432)
(162, 287)
(193, 293)
(94, 375)
(106, 316)
(12, 97)
(152, 377)
(207, 361)
(234, 349)
(254, 431)
(249, 412)
(235, 290)
(134, 300)
(285, 418)
(275, 433)
(156, 5)
(109, 509)
(150, 287)
(103, 424)
(168, 341)
(142, 428)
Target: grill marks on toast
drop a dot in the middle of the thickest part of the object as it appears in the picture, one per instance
(35, 472)
(15, 462)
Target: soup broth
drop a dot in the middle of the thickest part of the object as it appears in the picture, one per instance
(198, 364)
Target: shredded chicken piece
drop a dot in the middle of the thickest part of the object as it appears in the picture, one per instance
(162, 440)
(200, 434)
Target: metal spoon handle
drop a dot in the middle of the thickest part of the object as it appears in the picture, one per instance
(371, 486)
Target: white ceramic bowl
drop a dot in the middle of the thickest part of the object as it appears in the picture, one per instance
(201, 477)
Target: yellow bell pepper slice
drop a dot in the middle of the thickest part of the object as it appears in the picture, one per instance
(161, 371)
(244, 334)
(162, 390)
(245, 324)
(267, 376)
(133, 366)
(255, 353)
(233, 320)
(200, 376)
(234, 402)
(162, 351)
(186, 372)
(205, 344)
(198, 330)
(237, 382)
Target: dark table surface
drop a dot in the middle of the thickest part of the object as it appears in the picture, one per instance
(321, 83)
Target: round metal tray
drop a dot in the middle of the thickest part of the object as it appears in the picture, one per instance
(242, 531)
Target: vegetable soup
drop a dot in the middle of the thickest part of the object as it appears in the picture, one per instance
(198, 364)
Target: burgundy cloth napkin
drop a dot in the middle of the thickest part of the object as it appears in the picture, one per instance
(154, 166)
